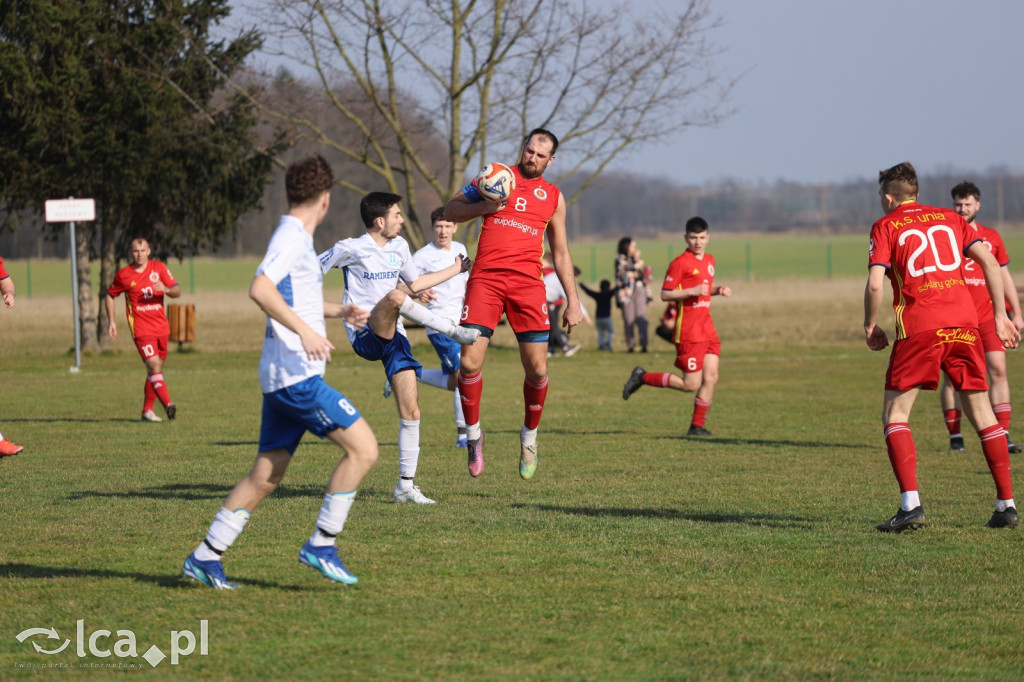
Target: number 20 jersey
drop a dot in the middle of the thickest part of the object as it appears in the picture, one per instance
(923, 251)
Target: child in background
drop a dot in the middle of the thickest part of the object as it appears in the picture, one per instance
(603, 315)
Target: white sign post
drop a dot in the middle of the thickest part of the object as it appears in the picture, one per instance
(69, 211)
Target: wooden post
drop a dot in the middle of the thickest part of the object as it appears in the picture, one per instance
(182, 319)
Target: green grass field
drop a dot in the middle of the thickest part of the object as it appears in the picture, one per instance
(634, 553)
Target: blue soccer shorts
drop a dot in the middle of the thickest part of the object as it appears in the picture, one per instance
(309, 405)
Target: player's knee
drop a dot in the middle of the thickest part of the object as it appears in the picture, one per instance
(395, 298)
(365, 456)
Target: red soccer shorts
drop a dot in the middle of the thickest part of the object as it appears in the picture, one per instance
(522, 299)
(690, 354)
(916, 361)
(152, 345)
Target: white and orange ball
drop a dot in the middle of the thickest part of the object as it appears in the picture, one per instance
(496, 182)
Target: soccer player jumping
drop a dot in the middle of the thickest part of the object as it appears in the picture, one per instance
(921, 250)
(506, 278)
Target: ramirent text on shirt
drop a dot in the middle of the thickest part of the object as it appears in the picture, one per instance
(522, 227)
(387, 274)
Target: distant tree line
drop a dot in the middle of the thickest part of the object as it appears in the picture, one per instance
(617, 205)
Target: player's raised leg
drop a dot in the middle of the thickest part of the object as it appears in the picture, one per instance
(421, 315)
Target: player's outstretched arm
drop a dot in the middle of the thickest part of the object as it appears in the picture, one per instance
(350, 312)
(432, 279)
(264, 292)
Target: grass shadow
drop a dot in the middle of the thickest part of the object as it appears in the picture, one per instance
(760, 520)
(29, 571)
(208, 491)
(759, 442)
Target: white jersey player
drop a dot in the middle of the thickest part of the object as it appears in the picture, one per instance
(373, 265)
(444, 301)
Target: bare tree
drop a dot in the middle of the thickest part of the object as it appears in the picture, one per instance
(429, 89)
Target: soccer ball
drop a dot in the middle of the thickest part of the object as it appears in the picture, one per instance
(496, 182)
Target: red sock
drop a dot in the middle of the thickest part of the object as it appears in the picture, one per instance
(657, 379)
(160, 388)
(997, 454)
(470, 390)
(902, 455)
(700, 411)
(952, 418)
(533, 398)
(150, 396)
(1002, 411)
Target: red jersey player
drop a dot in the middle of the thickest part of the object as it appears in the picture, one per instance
(7, 448)
(689, 283)
(921, 249)
(506, 278)
(966, 202)
(144, 283)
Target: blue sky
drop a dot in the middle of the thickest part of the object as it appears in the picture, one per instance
(835, 91)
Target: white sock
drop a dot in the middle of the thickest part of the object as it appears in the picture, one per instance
(224, 530)
(460, 416)
(332, 517)
(528, 436)
(911, 500)
(417, 313)
(408, 452)
(433, 377)
(1001, 505)
(473, 431)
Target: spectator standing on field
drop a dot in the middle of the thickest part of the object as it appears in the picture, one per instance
(921, 249)
(967, 202)
(630, 275)
(288, 287)
(690, 282)
(374, 265)
(7, 448)
(603, 312)
(144, 283)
